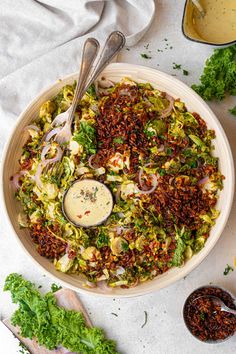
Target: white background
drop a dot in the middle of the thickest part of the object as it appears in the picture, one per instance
(165, 332)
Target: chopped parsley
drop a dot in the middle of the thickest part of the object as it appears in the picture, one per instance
(145, 56)
(102, 239)
(86, 136)
(233, 110)
(118, 140)
(176, 66)
(185, 72)
(92, 91)
(202, 316)
(228, 269)
(127, 49)
(145, 319)
(125, 246)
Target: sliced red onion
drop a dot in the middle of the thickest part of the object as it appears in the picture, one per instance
(81, 249)
(102, 285)
(161, 148)
(141, 174)
(16, 178)
(102, 91)
(90, 284)
(90, 161)
(154, 185)
(52, 133)
(94, 107)
(125, 92)
(167, 110)
(105, 83)
(32, 126)
(203, 180)
(55, 158)
(119, 230)
(147, 102)
(134, 284)
(120, 270)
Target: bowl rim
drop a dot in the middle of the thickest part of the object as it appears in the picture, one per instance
(198, 40)
(132, 68)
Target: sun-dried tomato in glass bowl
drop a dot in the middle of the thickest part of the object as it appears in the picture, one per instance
(204, 318)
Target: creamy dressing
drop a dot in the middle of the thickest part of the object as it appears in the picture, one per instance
(219, 23)
(88, 203)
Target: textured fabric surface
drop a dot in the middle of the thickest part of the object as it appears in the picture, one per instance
(41, 41)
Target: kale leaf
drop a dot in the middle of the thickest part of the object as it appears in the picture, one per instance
(39, 317)
(219, 75)
(178, 257)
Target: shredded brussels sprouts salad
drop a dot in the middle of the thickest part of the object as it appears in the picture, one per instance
(155, 157)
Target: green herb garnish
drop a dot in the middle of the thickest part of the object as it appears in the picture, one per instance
(39, 317)
(102, 239)
(55, 287)
(228, 269)
(145, 319)
(185, 72)
(145, 56)
(114, 314)
(202, 316)
(118, 140)
(176, 66)
(92, 91)
(125, 246)
(219, 75)
(86, 136)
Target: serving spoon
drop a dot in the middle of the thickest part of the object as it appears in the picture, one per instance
(218, 302)
(114, 43)
(199, 7)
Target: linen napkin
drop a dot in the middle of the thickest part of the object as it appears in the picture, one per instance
(41, 41)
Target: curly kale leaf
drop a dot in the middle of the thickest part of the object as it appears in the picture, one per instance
(219, 75)
(39, 316)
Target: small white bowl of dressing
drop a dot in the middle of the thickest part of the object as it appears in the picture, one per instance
(217, 26)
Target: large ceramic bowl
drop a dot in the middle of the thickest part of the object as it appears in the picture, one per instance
(165, 83)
